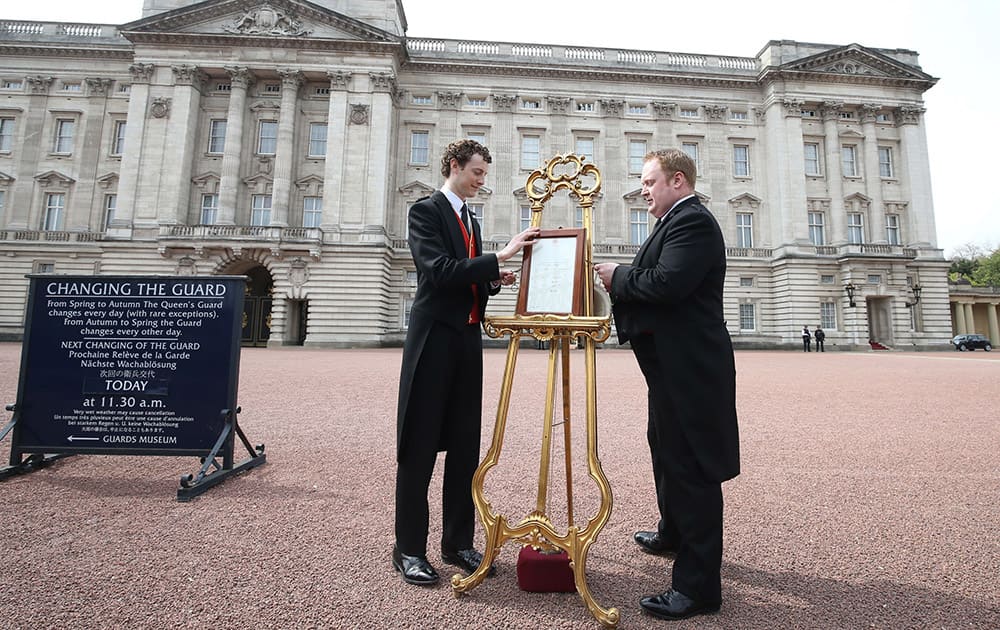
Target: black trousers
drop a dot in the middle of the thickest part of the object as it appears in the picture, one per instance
(444, 413)
(690, 503)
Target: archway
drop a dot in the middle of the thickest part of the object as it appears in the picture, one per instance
(256, 303)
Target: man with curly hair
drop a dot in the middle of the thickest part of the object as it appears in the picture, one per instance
(441, 380)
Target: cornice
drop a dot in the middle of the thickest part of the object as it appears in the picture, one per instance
(227, 39)
(37, 50)
(771, 75)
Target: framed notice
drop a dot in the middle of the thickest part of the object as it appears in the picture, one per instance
(551, 274)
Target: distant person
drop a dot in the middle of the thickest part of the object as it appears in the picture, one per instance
(806, 338)
(441, 380)
(668, 305)
(820, 336)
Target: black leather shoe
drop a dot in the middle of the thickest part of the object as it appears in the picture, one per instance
(466, 559)
(676, 605)
(414, 569)
(651, 542)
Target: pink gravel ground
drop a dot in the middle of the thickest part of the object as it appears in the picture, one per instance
(870, 498)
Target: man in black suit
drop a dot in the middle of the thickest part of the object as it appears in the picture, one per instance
(441, 380)
(668, 305)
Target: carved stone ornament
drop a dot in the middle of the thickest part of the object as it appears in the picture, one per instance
(39, 84)
(504, 102)
(141, 72)
(869, 112)
(449, 100)
(239, 76)
(291, 79)
(186, 266)
(160, 107)
(185, 74)
(98, 87)
(266, 20)
(908, 115)
(715, 112)
(831, 110)
(612, 107)
(339, 79)
(359, 114)
(557, 104)
(383, 81)
(793, 106)
(664, 110)
(298, 274)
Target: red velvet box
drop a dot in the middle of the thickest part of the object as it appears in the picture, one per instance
(544, 572)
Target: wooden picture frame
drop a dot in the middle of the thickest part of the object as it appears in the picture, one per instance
(552, 274)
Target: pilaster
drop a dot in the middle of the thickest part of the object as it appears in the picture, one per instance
(834, 172)
(229, 184)
(129, 176)
(336, 145)
(913, 145)
(21, 198)
(291, 81)
(873, 179)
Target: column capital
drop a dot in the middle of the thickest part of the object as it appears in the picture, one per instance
(664, 109)
(97, 86)
(291, 79)
(504, 102)
(793, 107)
(869, 112)
(715, 112)
(450, 100)
(612, 107)
(382, 81)
(339, 79)
(557, 104)
(141, 72)
(830, 110)
(187, 74)
(240, 76)
(908, 115)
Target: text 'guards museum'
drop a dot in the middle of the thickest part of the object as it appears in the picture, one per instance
(285, 140)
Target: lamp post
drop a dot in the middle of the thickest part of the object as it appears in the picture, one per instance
(850, 289)
(916, 289)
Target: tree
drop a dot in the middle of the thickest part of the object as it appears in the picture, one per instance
(987, 274)
(965, 261)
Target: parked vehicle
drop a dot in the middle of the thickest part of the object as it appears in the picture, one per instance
(971, 342)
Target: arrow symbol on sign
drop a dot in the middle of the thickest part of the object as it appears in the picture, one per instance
(73, 437)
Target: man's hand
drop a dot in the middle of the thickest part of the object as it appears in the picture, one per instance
(517, 243)
(507, 278)
(605, 271)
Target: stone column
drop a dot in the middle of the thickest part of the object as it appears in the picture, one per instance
(970, 319)
(379, 119)
(786, 173)
(664, 137)
(873, 180)
(129, 177)
(85, 209)
(291, 80)
(336, 149)
(230, 185)
(448, 102)
(21, 198)
(506, 167)
(960, 327)
(175, 194)
(913, 144)
(991, 316)
(834, 173)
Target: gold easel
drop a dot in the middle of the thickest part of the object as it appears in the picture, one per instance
(561, 172)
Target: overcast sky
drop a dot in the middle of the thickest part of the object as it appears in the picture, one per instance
(957, 42)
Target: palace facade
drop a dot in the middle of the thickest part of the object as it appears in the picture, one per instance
(285, 140)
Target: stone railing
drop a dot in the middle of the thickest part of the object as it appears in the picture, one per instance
(17, 30)
(271, 234)
(749, 252)
(52, 236)
(422, 49)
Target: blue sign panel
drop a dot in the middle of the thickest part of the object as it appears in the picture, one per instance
(128, 364)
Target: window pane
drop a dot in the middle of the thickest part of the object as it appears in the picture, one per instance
(638, 226)
(885, 162)
(812, 158)
(317, 139)
(748, 319)
(268, 140)
(741, 160)
(530, 151)
(828, 315)
(817, 234)
(477, 210)
(54, 204)
(855, 228)
(744, 229)
(585, 148)
(848, 156)
(892, 229)
(217, 136)
(636, 152)
(419, 147)
(64, 136)
(6, 133)
(261, 210)
(691, 148)
(312, 211)
(525, 218)
(110, 205)
(209, 209)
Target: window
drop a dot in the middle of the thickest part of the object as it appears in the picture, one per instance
(312, 211)
(419, 147)
(849, 159)
(691, 148)
(689, 112)
(582, 106)
(828, 315)
(11, 84)
(322, 90)
(817, 234)
(3, 195)
(578, 217)
(826, 278)
(477, 210)
(638, 220)
(45, 267)
(530, 103)
(855, 228)
(741, 160)
(124, 88)
(585, 148)
(6, 134)
(874, 278)
(847, 115)
(734, 115)
(478, 136)
(272, 88)
(744, 229)
(477, 101)
(525, 218)
(748, 318)
(636, 154)
(885, 162)
(223, 87)
(260, 210)
(209, 209)
(746, 281)
(110, 205)
(54, 205)
(216, 136)
(65, 128)
(892, 229)
(267, 137)
(422, 99)
(883, 117)
(317, 140)
(808, 113)
(118, 141)
(812, 158)
(71, 87)
(530, 151)
(638, 110)
(407, 307)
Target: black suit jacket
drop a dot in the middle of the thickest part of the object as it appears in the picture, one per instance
(445, 275)
(671, 297)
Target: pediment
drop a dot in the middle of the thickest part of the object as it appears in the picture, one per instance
(856, 60)
(53, 177)
(107, 180)
(851, 134)
(416, 189)
(204, 178)
(269, 20)
(5, 178)
(746, 200)
(636, 195)
(259, 178)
